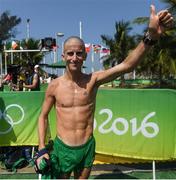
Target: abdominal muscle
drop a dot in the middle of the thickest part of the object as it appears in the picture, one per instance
(75, 124)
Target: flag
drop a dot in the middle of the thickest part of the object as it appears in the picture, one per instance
(14, 45)
(88, 47)
(104, 52)
(96, 48)
(55, 47)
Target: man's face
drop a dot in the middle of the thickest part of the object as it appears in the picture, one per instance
(74, 54)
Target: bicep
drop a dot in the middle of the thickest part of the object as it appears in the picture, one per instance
(47, 104)
(35, 80)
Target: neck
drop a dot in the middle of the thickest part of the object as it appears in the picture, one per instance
(73, 76)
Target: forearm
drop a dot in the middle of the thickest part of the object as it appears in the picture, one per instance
(126, 66)
(136, 56)
(42, 129)
(28, 86)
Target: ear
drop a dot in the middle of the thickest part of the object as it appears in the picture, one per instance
(85, 56)
(63, 57)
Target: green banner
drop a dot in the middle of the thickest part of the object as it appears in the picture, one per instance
(136, 123)
(128, 123)
(19, 113)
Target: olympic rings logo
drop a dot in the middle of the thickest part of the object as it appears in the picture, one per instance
(10, 121)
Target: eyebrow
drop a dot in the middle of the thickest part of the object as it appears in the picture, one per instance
(71, 53)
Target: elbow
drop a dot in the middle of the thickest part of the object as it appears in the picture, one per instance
(43, 119)
(128, 67)
(32, 87)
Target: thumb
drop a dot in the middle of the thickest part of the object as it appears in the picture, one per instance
(152, 10)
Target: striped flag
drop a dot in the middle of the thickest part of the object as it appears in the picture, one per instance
(96, 48)
(104, 52)
(14, 45)
(88, 47)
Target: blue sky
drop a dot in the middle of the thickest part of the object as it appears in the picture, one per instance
(47, 17)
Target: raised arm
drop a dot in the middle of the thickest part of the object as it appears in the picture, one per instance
(158, 24)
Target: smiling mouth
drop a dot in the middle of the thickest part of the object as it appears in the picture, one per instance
(73, 63)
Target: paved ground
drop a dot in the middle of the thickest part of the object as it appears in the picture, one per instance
(112, 171)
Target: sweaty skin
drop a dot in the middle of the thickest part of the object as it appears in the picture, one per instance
(74, 93)
(75, 106)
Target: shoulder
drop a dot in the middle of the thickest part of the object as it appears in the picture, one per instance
(53, 85)
(96, 74)
(35, 75)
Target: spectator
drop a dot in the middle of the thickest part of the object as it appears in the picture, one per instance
(8, 78)
(34, 80)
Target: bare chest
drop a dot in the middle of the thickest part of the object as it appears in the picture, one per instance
(75, 95)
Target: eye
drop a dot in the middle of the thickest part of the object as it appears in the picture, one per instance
(79, 54)
(70, 53)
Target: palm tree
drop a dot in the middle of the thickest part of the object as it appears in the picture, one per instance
(32, 57)
(171, 6)
(24, 61)
(119, 45)
(161, 60)
(7, 25)
(26, 58)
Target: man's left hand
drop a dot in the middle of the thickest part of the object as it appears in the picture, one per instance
(159, 22)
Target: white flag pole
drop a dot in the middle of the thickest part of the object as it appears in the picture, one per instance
(92, 58)
(11, 55)
(0, 65)
(80, 34)
(154, 170)
(5, 59)
(80, 29)
(28, 29)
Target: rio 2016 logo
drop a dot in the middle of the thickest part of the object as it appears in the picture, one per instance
(9, 119)
(143, 128)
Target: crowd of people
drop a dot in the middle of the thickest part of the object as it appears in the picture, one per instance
(25, 79)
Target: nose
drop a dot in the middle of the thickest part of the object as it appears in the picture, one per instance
(74, 57)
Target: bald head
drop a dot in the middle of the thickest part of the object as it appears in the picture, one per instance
(76, 40)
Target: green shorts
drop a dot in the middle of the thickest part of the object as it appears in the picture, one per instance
(74, 158)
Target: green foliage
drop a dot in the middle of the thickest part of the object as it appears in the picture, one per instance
(159, 62)
(119, 45)
(25, 58)
(171, 6)
(32, 57)
(7, 25)
(141, 20)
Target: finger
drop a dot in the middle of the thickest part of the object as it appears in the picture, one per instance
(152, 10)
(162, 13)
(168, 24)
(165, 18)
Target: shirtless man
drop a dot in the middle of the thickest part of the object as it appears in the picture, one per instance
(74, 98)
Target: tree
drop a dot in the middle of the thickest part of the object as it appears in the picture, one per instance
(32, 57)
(25, 58)
(160, 62)
(171, 6)
(119, 45)
(7, 25)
